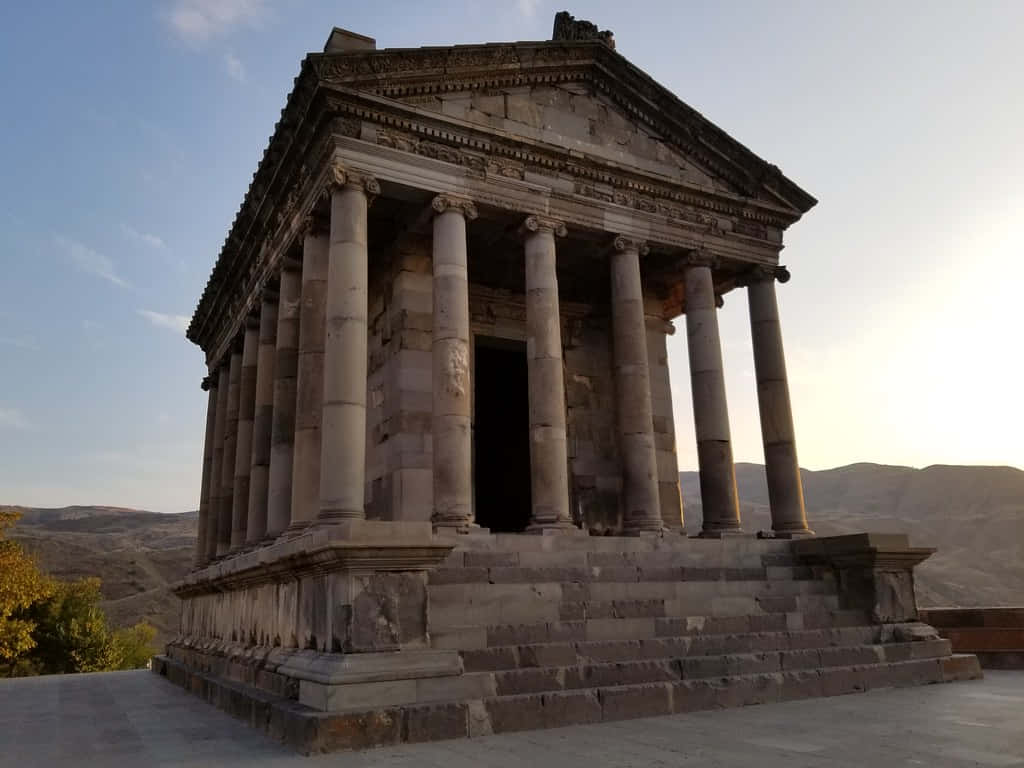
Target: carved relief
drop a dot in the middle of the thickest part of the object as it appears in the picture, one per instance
(456, 368)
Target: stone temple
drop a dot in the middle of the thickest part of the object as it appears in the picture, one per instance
(440, 492)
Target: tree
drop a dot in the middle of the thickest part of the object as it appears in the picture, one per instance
(21, 586)
(134, 645)
(71, 630)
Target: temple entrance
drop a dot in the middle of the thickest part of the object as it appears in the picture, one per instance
(501, 434)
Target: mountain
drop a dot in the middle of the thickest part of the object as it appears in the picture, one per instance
(974, 515)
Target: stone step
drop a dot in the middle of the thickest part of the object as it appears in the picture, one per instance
(500, 568)
(534, 655)
(311, 731)
(534, 605)
(471, 637)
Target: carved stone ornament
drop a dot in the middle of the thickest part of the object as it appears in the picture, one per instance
(567, 27)
(445, 203)
(545, 224)
(313, 225)
(342, 176)
(702, 258)
(623, 243)
(456, 369)
(762, 274)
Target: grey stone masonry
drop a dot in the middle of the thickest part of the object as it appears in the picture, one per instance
(227, 470)
(343, 433)
(282, 434)
(210, 384)
(549, 464)
(710, 414)
(785, 490)
(243, 448)
(310, 379)
(259, 474)
(451, 378)
(658, 330)
(216, 465)
(642, 508)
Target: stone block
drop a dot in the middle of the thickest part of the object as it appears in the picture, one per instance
(705, 666)
(801, 684)
(635, 701)
(358, 696)
(472, 685)
(534, 680)
(836, 681)
(694, 695)
(357, 730)
(490, 659)
(849, 656)
(961, 666)
(753, 663)
(626, 673)
(619, 629)
(808, 658)
(457, 576)
(435, 722)
(547, 655)
(491, 559)
(749, 689)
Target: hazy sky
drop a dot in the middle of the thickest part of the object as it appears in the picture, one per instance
(129, 132)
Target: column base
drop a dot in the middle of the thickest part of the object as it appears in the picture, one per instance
(554, 529)
(738, 533)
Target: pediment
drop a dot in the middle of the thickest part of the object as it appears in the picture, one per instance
(572, 116)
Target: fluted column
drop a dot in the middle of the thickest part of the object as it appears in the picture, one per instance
(286, 366)
(641, 508)
(309, 388)
(343, 441)
(262, 423)
(785, 489)
(217, 464)
(452, 447)
(210, 385)
(243, 449)
(227, 482)
(549, 463)
(718, 495)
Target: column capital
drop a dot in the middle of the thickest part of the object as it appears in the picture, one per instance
(343, 176)
(444, 203)
(209, 382)
(538, 223)
(701, 257)
(314, 224)
(762, 274)
(623, 243)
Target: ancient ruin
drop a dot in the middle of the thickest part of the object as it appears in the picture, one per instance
(440, 491)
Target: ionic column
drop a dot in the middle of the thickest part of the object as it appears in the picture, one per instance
(549, 473)
(210, 385)
(453, 492)
(243, 446)
(785, 489)
(710, 414)
(286, 367)
(309, 388)
(262, 422)
(658, 331)
(642, 508)
(227, 478)
(217, 465)
(343, 435)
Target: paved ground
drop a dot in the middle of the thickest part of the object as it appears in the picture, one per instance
(138, 719)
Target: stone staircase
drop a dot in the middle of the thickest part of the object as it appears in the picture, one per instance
(561, 637)
(562, 630)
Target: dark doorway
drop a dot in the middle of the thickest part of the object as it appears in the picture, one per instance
(501, 434)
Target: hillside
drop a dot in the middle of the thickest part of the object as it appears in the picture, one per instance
(974, 515)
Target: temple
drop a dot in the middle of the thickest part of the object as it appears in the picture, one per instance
(440, 493)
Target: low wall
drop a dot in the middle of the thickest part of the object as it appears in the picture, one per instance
(995, 635)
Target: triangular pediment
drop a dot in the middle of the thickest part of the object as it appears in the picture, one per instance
(573, 117)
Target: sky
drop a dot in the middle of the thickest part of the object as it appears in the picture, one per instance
(129, 132)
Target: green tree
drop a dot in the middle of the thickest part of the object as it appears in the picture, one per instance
(134, 645)
(71, 631)
(21, 586)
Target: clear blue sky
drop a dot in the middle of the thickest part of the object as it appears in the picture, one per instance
(130, 130)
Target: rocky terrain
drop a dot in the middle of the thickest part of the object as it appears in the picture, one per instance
(974, 515)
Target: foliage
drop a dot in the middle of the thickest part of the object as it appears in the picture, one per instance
(21, 585)
(53, 627)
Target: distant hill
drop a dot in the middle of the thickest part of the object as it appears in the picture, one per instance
(974, 515)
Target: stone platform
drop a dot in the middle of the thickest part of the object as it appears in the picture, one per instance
(995, 635)
(531, 632)
(135, 718)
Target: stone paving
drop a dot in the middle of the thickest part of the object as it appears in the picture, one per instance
(138, 719)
